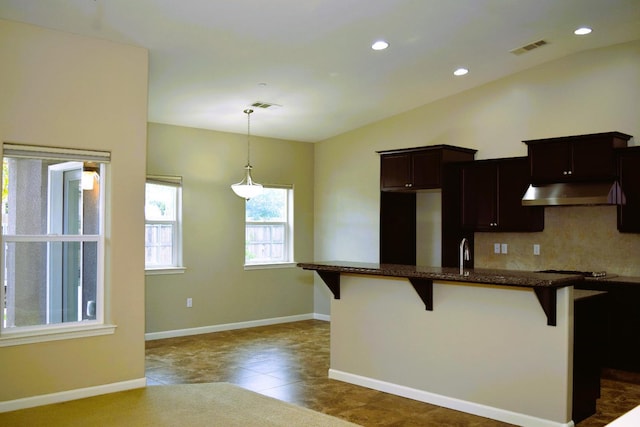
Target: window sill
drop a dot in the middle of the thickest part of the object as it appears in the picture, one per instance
(270, 266)
(164, 270)
(55, 333)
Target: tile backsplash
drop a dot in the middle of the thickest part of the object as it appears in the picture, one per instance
(574, 238)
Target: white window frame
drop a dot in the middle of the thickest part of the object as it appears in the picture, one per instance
(67, 330)
(178, 266)
(289, 235)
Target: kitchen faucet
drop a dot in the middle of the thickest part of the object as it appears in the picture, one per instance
(464, 255)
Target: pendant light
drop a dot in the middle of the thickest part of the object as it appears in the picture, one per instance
(247, 188)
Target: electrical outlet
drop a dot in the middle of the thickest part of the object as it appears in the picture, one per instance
(496, 248)
(503, 249)
(189, 302)
(536, 249)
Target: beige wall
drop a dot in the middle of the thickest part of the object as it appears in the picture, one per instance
(462, 355)
(62, 90)
(593, 91)
(213, 230)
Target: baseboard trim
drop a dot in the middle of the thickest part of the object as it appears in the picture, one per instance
(319, 316)
(446, 402)
(65, 396)
(150, 336)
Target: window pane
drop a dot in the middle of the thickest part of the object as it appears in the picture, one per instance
(49, 282)
(159, 245)
(265, 243)
(160, 202)
(45, 197)
(270, 205)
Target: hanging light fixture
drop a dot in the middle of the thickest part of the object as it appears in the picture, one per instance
(247, 188)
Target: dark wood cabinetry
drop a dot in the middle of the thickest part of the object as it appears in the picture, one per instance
(403, 173)
(629, 175)
(589, 326)
(419, 168)
(575, 158)
(622, 323)
(452, 231)
(492, 191)
(397, 228)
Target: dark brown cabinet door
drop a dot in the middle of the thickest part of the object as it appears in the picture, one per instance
(629, 170)
(395, 171)
(479, 196)
(550, 162)
(426, 169)
(575, 158)
(593, 159)
(492, 197)
(588, 349)
(622, 324)
(397, 228)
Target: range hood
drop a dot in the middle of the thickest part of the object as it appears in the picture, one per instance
(574, 194)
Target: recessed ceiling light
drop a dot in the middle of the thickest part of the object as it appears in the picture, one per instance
(460, 72)
(582, 31)
(379, 45)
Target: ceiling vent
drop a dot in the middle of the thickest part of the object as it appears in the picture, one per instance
(265, 105)
(528, 47)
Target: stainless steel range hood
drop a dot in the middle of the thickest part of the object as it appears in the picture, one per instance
(574, 194)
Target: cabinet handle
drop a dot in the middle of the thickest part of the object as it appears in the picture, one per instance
(408, 185)
(569, 172)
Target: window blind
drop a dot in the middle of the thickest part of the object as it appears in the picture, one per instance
(54, 153)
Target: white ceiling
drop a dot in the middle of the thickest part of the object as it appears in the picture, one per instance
(210, 59)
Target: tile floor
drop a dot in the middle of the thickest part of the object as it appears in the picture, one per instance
(290, 362)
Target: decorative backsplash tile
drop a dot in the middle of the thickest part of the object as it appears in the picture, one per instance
(574, 238)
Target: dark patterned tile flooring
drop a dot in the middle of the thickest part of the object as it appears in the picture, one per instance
(290, 362)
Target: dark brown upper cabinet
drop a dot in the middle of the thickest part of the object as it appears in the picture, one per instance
(420, 168)
(575, 158)
(492, 193)
(629, 175)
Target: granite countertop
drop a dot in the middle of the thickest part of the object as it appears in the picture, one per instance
(627, 280)
(528, 279)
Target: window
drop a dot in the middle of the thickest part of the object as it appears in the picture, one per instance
(269, 227)
(163, 225)
(52, 242)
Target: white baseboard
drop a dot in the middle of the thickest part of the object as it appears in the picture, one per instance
(446, 402)
(230, 326)
(65, 396)
(319, 316)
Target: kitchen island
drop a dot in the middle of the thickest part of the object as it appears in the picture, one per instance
(494, 343)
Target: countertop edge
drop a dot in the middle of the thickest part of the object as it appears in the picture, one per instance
(517, 278)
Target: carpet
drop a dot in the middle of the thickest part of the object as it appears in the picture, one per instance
(212, 404)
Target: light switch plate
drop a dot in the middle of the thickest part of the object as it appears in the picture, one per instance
(503, 249)
(496, 248)
(536, 249)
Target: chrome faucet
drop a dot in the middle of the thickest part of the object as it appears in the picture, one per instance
(464, 254)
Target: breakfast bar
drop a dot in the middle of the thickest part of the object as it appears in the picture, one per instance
(494, 343)
(421, 278)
